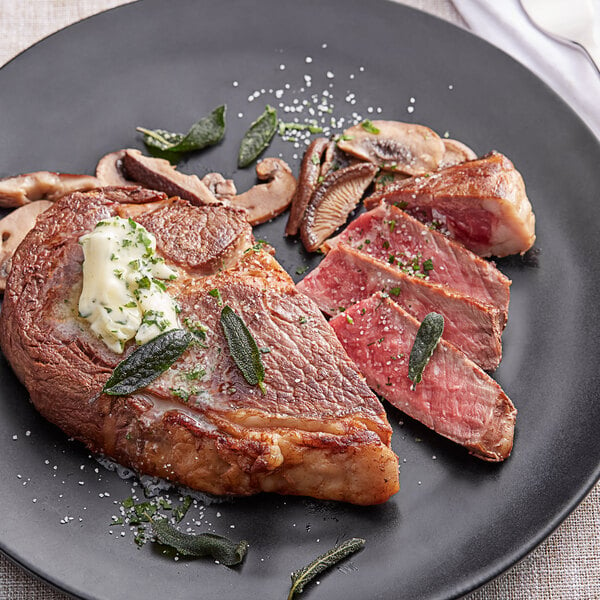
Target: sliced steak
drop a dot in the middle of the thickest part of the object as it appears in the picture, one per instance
(455, 397)
(346, 276)
(481, 203)
(397, 239)
(318, 430)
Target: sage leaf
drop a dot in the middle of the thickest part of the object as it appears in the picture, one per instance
(258, 137)
(204, 544)
(205, 132)
(323, 562)
(426, 340)
(243, 347)
(147, 362)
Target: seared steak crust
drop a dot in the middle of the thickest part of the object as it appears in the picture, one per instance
(318, 430)
(482, 203)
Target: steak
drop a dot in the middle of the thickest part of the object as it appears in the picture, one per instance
(455, 397)
(481, 203)
(395, 238)
(346, 276)
(317, 430)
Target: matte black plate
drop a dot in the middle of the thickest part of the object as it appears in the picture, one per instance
(457, 522)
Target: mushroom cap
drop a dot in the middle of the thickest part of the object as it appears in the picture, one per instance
(110, 172)
(395, 146)
(265, 201)
(13, 229)
(159, 174)
(22, 189)
(333, 201)
(310, 171)
(455, 152)
(223, 189)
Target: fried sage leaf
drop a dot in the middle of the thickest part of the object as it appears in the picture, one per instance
(258, 137)
(204, 544)
(243, 347)
(147, 362)
(426, 340)
(330, 558)
(205, 132)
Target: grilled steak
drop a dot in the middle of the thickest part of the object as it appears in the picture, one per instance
(346, 276)
(455, 397)
(317, 430)
(482, 203)
(395, 238)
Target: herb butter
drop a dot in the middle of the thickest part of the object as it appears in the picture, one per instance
(124, 295)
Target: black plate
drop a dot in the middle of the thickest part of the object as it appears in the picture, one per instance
(457, 522)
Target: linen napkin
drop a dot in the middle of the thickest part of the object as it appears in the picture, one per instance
(564, 67)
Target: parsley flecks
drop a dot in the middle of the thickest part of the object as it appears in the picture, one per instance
(368, 126)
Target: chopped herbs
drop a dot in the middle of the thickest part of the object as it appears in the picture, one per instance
(310, 127)
(243, 348)
(395, 291)
(216, 294)
(426, 341)
(323, 562)
(368, 126)
(147, 362)
(258, 137)
(205, 132)
(302, 270)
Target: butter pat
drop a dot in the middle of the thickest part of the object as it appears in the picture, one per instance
(124, 295)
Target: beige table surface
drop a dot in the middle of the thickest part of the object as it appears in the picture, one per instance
(566, 566)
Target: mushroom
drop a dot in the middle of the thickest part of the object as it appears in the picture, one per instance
(109, 170)
(455, 152)
(29, 187)
(223, 189)
(159, 174)
(394, 146)
(385, 178)
(13, 228)
(267, 200)
(333, 201)
(310, 172)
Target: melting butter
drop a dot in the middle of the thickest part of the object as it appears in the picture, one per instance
(124, 295)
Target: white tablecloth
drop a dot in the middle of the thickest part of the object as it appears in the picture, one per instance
(564, 567)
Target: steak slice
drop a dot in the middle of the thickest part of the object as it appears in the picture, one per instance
(455, 397)
(346, 276)
(318, 430)
(481, 203)
(395, 238)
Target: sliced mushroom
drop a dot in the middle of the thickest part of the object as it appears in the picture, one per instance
(310, 172)
(456, 152)
(336, 159)
(109, 170)
(22, 189)
(159, 174)
(267, 200)
(395, 146)
(223, 189)
(333, 201)
(13, 228)
(385, 178)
